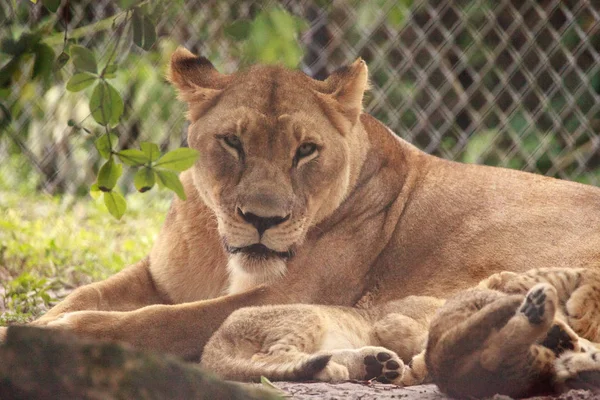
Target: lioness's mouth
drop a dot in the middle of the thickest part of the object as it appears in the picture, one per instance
(259, 250)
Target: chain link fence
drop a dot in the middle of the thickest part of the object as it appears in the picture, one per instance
(507, 83)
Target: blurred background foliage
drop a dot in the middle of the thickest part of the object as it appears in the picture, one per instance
(511, 83)
(508, 83)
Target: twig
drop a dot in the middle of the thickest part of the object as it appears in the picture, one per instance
(120, 35)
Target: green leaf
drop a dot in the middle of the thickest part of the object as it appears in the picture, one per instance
(108, 175)
(170, 180)
(268, 384)
(83, 59)
(125, 4)
(61, 60)
(95, 191)
(80, 81)
(133, 157)
(105, 146)
(115, 203)
(149, 34)
(25, 44)
(178, 159)
(51, 5)
(110, 71)
(150, 150)
(144, 179)
(137, 24)
(106, 104)
(239, 30)
(44, 58)
(144, 32)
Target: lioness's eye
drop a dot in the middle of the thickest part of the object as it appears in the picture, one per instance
(233, 141)
(305, 150)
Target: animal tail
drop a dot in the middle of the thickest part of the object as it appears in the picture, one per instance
(231, 366)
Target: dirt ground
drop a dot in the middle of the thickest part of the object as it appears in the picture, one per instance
(377, 391)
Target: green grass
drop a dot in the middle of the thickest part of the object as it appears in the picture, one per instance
(50, 245)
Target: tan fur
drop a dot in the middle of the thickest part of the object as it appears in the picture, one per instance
(483, 341)
(294, 342)
(371, 218)
(487, 340)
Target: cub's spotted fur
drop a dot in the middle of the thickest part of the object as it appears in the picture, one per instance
(519, 335)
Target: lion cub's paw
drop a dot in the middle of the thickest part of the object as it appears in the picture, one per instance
(370, 362)
(497, 281)
(383, 365)
(333, 372)
(416, 371)
(579, 370)
(582, 315)
(540, 304)
(561, 338)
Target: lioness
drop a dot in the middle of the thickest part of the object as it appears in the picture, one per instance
(300, 197)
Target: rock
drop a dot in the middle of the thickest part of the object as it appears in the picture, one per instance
(38, 363)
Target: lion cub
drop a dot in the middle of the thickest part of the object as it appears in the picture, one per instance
(315, 342)
(519, 335)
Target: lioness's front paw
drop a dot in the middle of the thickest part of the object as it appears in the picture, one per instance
(95, 324)
(64, 321)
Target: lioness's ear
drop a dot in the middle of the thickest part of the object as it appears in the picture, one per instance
(349, 84)
(346, 87)
(196, 80)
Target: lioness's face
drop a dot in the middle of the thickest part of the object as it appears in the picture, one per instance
(274, 157)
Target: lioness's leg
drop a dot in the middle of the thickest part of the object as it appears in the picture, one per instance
(180, 329)
(128, 290)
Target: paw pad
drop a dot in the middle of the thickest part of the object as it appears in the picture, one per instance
(558, 340)
(384, 367)
(534, 306)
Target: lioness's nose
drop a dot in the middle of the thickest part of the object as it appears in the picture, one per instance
(262, 223)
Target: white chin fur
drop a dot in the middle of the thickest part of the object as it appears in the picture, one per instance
(248, 272)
